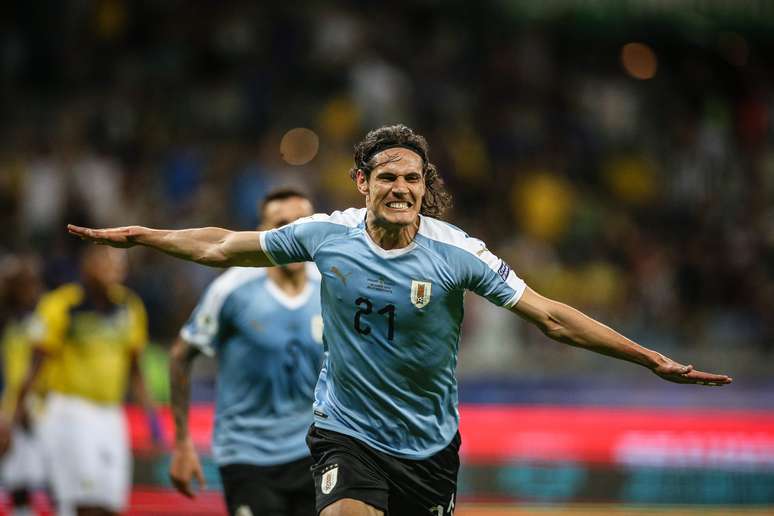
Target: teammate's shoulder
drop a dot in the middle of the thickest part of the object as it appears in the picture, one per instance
(121, 294)
(233, 278)
(351, 217)
(445, 233)
(64, 295)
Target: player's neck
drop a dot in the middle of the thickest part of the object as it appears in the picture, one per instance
(290, 282)
(391, 237)
(97, 293)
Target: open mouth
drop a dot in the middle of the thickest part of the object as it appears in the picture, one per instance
(399, 205)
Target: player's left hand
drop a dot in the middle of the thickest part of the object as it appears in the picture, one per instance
(675, 372)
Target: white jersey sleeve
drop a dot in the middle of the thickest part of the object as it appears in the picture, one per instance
(203, 326)
(300, 240)
(475, 267)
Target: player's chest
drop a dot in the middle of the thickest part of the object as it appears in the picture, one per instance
(105, 328)
(411, 283)
(267, 326)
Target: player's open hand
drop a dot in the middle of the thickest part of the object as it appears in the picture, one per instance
(679, 373)
(115, 237)
(184, 467)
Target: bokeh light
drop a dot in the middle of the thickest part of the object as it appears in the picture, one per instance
(543, 203)
(639, 60)
(299, 146)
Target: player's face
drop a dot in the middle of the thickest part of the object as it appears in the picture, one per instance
(105, 265)
(395, 189)
(25, 285)
(284, 211)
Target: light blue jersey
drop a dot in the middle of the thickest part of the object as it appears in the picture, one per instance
(269, 352)
(392, 325)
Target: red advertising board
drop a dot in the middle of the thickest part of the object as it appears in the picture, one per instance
(657, 437)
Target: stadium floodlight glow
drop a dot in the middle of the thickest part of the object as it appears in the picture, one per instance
(639, 60)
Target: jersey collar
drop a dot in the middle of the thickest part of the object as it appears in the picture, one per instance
(289, 302)
(390, 253)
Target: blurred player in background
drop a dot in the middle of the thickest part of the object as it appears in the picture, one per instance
(91, 338)
(385, 437)
(22, 468)
(265, 329)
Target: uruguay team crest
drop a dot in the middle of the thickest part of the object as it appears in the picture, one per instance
(420, 293)
(329, 479)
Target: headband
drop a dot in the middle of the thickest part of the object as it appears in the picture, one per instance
(390, 145)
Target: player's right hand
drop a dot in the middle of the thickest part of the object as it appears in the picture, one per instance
(122, 237)
(184, 467)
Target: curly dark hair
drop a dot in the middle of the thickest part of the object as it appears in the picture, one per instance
(437, 199)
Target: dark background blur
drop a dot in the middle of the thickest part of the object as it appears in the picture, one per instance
(618, 154)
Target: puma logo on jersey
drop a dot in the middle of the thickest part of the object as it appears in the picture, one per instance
(343, 277)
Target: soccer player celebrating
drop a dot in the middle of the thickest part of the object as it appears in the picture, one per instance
(22, 469)
(265, 328)
(385, 437)
(91, 336)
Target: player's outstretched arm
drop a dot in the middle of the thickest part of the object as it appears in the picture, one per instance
(185, 464)
(209, 246)
(568, 325)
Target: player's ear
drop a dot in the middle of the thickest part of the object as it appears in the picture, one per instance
(361, 181)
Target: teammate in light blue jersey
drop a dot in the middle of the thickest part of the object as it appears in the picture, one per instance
(385, 437)
(265, 329)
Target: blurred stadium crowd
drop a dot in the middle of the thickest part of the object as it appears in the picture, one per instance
(635, 182)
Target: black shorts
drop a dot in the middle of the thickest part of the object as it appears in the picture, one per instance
(282, 490)
(345, 467)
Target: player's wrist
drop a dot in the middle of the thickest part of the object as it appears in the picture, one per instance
(656, 360)
(140, 235)
(184, 442)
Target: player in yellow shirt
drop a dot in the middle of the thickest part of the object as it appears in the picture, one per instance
(22, 468)
(92, 335)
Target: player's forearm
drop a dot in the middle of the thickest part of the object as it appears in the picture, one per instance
(570, 326)
(137, 382)
(33, 371)
(180, 365)
(208, 246)
(142, 396)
